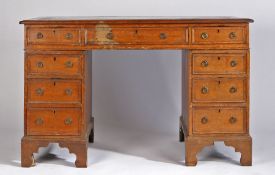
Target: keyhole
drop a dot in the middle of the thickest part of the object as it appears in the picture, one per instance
(136, 31)
(219, 58)
(54, 83)
(219, 110)
(53, 111)
(218, 30)
(54, 58)
(219, 81)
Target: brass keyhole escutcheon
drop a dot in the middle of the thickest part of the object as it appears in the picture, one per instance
(204, 90)
(204, 120)
(204, 35)
(233, 90)
(39, 91)
(40, 64)
(68, 121)
(39, 35)
(69, 64)
(39, 121)
(162, 36)
(204, 63)
(233, 63)
(110, 36)
(233, 120)
(232, 35)
(68, 91)
(69, 36)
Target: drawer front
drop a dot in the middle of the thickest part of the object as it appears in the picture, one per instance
(163, 36)
(58, 91)
(219, 64)
(110, 36)
(57, 121)
(156, 36)
(64, 36)
(219, 90)
(54, 64)
(218, 35)
(219, 120)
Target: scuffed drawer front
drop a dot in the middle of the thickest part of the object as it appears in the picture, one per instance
(219, 63)
(60, 36)
(219, 120)
(54, 91)
(53, 121)
(219, 90)
(101, 35)
(45, 64)
(218, 35)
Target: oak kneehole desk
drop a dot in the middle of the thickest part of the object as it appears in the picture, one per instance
(215, 76)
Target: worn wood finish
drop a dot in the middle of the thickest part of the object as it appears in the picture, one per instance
(215, 78)
(53, 121)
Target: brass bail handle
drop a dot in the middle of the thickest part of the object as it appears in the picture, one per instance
(233, 120)
(39, 121)
(204, 90)
(204, 120)
(162, 36)
(204, 63)
(69, 36)
(204, 35)
(40, 64)
(68, 121)
(39, 91)
(232, 35)
(110, 36)
(68, 91)
(233, 90)
(69, 64)
(39, 35)
(233, 63)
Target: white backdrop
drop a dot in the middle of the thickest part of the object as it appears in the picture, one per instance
(139, 90)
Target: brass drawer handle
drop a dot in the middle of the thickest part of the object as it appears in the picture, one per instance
(40, 64)
(232, 35)
(39, 91)
(233, 120)
(68, 121)
(39, 35)
(233, 90)
(233, 63)
(39, 121)
(69, 64)
(204, 63)
(204, 35)
(110, 36)
(162, 36)
(68, 91)
(69, 36)
(204, 120)
(204, 90)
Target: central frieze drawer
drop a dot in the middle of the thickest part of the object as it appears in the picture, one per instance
(101, 35)
(219, 120)
(53, 121)
(54, 91)
(219, 35)
(62, 36)
(219, 90)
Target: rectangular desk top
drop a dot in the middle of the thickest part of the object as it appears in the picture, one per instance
(135, 19)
